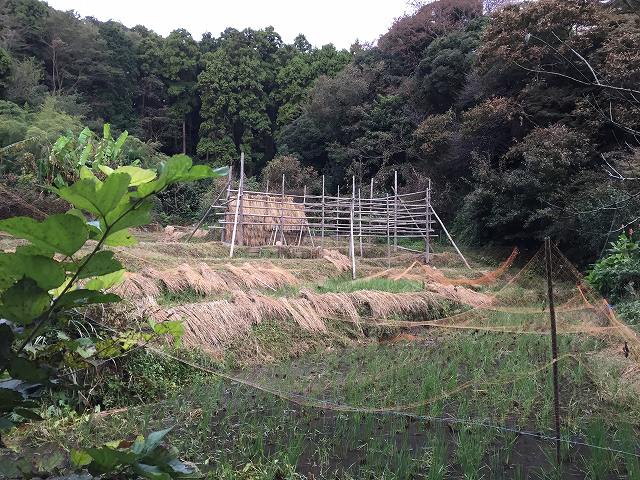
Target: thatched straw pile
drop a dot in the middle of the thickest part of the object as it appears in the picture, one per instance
(266, 211)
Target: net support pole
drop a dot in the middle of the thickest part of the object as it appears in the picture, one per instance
(388, 234)
(322, 224)
(395, 210)
(282, 239)
(360, 221)
(241, 200)
(427, 240)
(304, 201)
(450, 239)
(237, 214)
(554, 344)
(352, 248)
(229, 186)
(338, 215)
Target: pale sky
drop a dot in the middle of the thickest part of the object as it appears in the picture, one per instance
(340, 22)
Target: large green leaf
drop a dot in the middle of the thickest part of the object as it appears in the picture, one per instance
(27, 370)
(24, 302)
(138, 175)
(61, 233)
(104, 282)
(154, 439)
(105, 459)
(94, 197)
(47, 272)
(177, 168)
(111, 191)
(120, 219)
(122, 238)
(98, 264)
(83, 296)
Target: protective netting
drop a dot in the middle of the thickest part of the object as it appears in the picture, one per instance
(469, 391)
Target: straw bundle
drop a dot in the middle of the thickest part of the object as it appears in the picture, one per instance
(263, 215)
(340, 261)
(212, 324)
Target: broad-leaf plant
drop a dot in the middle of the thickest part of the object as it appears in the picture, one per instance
(63, 264)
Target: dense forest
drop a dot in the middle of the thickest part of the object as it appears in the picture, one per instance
(526, 117)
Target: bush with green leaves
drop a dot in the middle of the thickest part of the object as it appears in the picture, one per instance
(144, 457)
(64, 265)
(617, 275)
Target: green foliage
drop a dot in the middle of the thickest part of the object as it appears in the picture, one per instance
(617, 275)
(39, 292)
(144, 457)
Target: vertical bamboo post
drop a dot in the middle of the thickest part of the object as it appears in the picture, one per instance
(395, 211)
(322, 225)
(371, 207)
(388, 234)
(241, 200)
(427, 241)
(282, 239)
(338, 215)
(554, 344)
(360, 220)
(229, 187)
(352, 248)
(235, 218)
(304, 201)
(267, 185)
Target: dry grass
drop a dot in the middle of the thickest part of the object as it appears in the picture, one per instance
(212, 325)
(340, 261)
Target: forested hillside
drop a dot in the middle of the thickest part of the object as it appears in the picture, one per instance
(526, 119)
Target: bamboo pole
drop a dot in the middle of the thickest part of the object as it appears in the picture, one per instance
(554, 344)
(206, 214)
(450, 239)
(241, 200)
(322, 225)
(427, 246)
(304, 199)
(352, 249)
(235, 218)
(229, 185)
(395, 210)
(338, 214)
(360, 221)
(282, 239)
(388, 234)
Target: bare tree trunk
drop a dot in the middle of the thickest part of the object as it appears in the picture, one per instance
(184, 135)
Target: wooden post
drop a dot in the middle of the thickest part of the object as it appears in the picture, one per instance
(352, 248)
(282, 239)
(206, 215)
(395, 211)
(450, 239)
(241, 200)
(388, 234)
(322, 225)
(238, 200)
(554, 344)
(267, 185)
(360, 220)
(229, 187)
(427, 246)
(338, 215)
(304, 201)
(371, 206)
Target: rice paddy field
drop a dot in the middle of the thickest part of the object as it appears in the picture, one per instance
(289, 369)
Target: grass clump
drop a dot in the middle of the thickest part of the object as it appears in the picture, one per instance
(343, 285)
